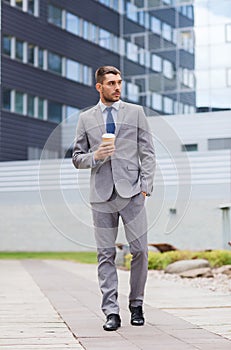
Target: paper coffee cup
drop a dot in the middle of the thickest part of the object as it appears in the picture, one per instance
(108, 138)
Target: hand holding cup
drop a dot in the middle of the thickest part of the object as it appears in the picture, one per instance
(106, 148)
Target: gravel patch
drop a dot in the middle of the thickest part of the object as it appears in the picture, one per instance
(218, 283)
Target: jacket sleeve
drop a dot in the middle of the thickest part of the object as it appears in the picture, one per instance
(146, 154)
(82, 156)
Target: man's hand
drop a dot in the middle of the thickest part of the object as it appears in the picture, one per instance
(106, 149)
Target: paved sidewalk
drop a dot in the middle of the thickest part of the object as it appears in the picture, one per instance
(55, 305)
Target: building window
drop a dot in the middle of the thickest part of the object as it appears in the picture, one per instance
(54, 63)
(193, 147)
(105, 39)
(86, 30)
(186, 40)
(131, 12)
(7, 99)
(55, 15)
(219, 144)
(41, 58)
(86, 75)
(37, 107)
(156, 63)
(73, 70)
(167, 31)
(155, 25)
(72, 23)
(156, 101)
(19, 4)
(7, 45)
(133, 92)
(19, 50)
(41, 104)
(18, 102)
(94, 34)
(31, 6)
(31, 105)
(78, 72)
(168, 105)
(167, 69)
(132, 52)
(31, 54)
(54, 112)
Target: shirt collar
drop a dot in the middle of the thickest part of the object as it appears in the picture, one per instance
(114, 105)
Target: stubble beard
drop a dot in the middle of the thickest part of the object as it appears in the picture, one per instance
(109, 99)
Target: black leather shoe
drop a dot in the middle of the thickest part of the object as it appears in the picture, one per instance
(113, 322)
(137, 318)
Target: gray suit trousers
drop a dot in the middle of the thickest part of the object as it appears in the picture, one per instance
(106, 219)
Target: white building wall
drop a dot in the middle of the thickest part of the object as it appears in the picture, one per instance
(44, 206)
(191, 129)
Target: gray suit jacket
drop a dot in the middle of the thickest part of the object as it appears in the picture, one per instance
(131, 168)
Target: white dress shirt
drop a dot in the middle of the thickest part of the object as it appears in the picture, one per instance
(114, 111)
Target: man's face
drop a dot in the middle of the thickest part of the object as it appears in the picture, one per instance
(110, 89)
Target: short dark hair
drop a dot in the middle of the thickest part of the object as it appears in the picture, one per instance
(102, 71)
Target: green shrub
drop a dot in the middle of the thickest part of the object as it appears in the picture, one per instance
(216, 257)
(159, 261)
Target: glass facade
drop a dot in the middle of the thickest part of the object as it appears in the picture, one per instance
(184, 48)
(174, 54)
(160, 37)
(212, 54)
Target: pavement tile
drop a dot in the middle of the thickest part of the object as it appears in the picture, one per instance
(27, 319)
(216, 346)
(64, 293)
(107, 343)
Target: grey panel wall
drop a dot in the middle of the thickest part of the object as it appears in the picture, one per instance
(20, 132)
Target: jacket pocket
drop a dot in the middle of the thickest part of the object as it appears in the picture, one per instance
(132, 168)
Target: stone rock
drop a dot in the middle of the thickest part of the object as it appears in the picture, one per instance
(201, 272)
(185, 265)
(225, 269)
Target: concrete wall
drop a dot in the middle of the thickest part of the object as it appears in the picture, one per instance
(44, 206)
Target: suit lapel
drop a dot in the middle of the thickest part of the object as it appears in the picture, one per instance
(120, 117)
(119, 121)
(99, 119)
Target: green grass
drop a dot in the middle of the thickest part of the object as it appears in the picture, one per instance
(81, 257)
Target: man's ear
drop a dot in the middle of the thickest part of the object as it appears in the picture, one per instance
(98, 87)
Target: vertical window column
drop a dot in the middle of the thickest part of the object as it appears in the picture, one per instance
(7, 99)
(7, 45)
(19, 101)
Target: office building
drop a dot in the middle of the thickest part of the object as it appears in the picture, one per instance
(173, 62)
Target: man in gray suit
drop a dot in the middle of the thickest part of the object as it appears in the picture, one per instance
(121, 177)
